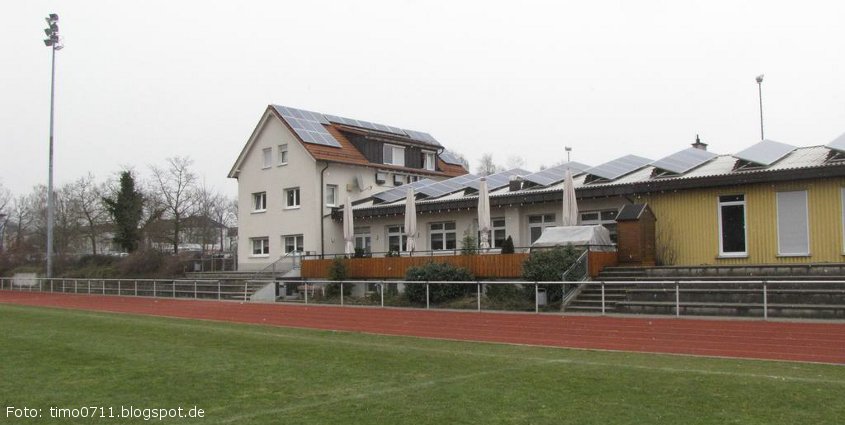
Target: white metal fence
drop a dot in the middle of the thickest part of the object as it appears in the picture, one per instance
(747, 298)
(161, 288)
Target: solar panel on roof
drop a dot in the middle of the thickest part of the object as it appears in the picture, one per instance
(618, 167)
(495, 181)
(765, 153)
(555, 174)
(838, 144)
(307, 125)
(450, 158)
(683, 161)
(422, 137)
(400, 192)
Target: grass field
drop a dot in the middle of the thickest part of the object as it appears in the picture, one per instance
(258, 374)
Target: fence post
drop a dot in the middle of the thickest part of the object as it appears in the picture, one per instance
(341, 292)
(75, 286)
(306, 292)
(103, 284)
(154, 288)
(218, 290)
(478, 291)
(765, 302)
(426, 296)
(677, 299)
(195, 289)
(602, 298)
(536, 297)
(381, 289)
(136, 287)
(246, 289)
(173, 286)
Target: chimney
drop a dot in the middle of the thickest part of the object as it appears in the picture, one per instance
(515, 183)
(699, 144)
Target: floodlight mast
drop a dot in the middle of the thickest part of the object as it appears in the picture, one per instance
(52, 41)
(759, 80)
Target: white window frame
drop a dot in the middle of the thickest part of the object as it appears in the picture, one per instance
(442, 231)
(363, 239)
(397, 154)
(429, 160)
(283, 154)
(807, 223)
(264, 247)
(403, 239)
(610, 224)
(298, 243)
(398, 180)
(542, 225)
(259, 202)
(720, 204)
(493, 229)
(331, 201)
(297, 201)
(267, 157)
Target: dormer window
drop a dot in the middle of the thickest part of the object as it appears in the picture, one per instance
(428, 160)
(394, 155)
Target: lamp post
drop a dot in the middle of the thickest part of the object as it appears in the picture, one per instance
(760, 93)
(53, 42)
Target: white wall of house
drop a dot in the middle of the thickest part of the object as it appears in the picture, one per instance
(301, 171)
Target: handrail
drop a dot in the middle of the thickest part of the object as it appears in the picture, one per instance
(443, 252)
(581, 260)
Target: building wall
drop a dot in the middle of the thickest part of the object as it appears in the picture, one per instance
(300, 171)
(688, 224)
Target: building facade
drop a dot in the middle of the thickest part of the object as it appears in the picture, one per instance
(297, 166)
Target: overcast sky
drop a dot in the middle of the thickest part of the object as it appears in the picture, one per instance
(142, 81)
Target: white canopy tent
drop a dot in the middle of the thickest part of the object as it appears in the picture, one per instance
(598, 237)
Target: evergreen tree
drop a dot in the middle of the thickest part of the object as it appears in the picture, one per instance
(126, 208)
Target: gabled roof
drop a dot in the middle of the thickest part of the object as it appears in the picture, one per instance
(324, 139)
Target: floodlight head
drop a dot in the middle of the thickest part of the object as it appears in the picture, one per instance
(48, 31)
(568, 149)
(759, 78)
(48, 42)
(53, 18)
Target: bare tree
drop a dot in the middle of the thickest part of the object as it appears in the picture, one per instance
(86, 204)
(5, 206)
(515, 161)
(486, 166)
(210, 216)
(176, 186)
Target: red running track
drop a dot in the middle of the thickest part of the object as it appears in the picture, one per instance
(797, 341)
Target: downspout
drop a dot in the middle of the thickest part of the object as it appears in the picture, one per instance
(322, 205)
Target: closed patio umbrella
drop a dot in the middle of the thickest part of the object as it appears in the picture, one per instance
(570, 203)
(348, 227)
(410, 221)
(484, 214)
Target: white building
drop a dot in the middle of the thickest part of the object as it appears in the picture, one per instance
(297, 165)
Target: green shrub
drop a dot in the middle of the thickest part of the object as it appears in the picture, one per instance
(438, 292)
(507, 246)
(338, 269)
(469, 244)
(548, 265)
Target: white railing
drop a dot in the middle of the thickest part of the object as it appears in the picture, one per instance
(747, 298)
(160, 288)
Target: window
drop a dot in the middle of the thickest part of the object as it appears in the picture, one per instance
(260, 247)
(283, 154)
(412, 179)
(396, 239)
(606, 218)
(268, 157)
(363, 240)
(381, 177)
(497, 231)
(732, 226)
(259, 202)
(331, 195)
(394, 155)
(793, 224)
(428, 160)
(537, 223)
(294, 243)
(292, 198)
(443, 236)
(398, 180)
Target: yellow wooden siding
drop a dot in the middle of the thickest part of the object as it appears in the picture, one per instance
(688, 224)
